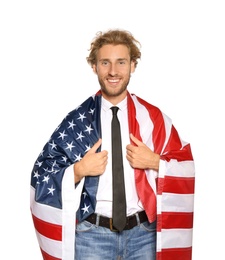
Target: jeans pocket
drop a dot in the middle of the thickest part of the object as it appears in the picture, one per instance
(84, 226)
(148, 226)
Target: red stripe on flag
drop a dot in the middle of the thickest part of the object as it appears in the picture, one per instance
(180, 185)
(177, 220)
(146, 194)
(174, 148)
(159, 185)
(47, 229)
(170, 220)
(48, 257)
(159, 223)
(175, 254)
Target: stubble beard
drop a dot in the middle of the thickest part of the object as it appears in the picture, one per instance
(113, 93)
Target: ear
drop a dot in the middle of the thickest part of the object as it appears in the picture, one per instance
(132, 66)
(94, 68)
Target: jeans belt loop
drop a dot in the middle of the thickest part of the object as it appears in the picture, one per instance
(138, 219)
(97, 220)
(111, 225)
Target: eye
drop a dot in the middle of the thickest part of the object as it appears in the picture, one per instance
(105, 63)
(122, 62)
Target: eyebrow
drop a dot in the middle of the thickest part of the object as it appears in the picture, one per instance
(120, 59)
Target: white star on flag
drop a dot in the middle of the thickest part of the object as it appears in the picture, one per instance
(85, 209)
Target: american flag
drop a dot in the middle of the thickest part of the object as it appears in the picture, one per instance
(167, 195)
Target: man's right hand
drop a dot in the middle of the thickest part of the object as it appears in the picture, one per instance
(92, 164)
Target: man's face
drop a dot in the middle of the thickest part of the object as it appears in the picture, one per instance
(113, 69)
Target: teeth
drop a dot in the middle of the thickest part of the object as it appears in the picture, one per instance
(113, 80)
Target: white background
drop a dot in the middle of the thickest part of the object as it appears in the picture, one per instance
(44, 75)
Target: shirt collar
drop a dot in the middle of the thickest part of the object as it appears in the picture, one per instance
(106, 105)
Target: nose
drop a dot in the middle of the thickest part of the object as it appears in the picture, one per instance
(112, 70)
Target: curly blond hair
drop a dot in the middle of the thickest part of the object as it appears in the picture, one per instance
(114, 37)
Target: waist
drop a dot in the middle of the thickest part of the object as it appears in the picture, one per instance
(131, 221)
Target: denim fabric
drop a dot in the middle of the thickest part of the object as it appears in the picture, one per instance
(98, 243)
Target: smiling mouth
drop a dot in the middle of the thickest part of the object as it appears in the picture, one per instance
(113, 81)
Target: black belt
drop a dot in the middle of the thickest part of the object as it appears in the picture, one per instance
(107, 222)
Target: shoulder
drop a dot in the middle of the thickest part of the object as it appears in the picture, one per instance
(154, 112)
(141, 103)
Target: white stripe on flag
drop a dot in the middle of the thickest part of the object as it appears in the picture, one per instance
(176, 238)
(51, 247)
(180, 169)
(45, 212)
(177, 202)
(145, 121)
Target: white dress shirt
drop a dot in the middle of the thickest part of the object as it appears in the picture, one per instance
(104, 193)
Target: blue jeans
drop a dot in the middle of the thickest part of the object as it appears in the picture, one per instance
(98, 243)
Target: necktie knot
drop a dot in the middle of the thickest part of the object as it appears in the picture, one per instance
(114, 110)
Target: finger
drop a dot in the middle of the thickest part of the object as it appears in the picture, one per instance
(95, 146)
(129, 147)
(129, 150)
(103, 154)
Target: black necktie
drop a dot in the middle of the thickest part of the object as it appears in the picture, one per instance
(119, 197)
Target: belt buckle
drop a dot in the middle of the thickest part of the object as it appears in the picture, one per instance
(111, 225)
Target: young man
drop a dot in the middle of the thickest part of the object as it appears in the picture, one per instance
(73, 183)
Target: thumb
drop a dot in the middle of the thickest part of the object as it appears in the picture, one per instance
(135, 140)
(95, 146)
